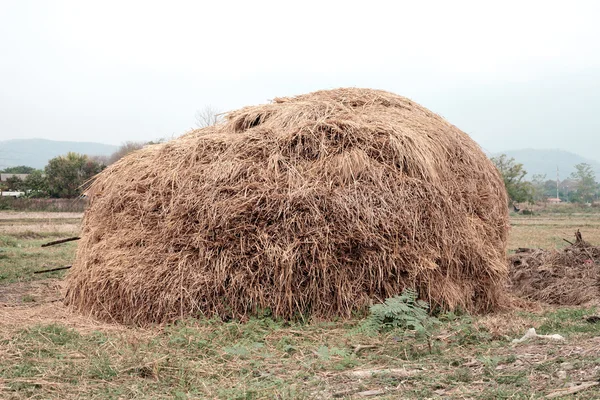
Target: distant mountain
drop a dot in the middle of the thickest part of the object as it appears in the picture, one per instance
(36, 152)
(536, 161)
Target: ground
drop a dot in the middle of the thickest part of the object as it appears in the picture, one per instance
(48, 352)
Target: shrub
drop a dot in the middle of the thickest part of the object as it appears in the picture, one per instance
(404, 312)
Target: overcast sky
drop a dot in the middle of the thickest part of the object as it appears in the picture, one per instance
(512, 74)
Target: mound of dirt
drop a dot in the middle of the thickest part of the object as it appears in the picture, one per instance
(562, 277)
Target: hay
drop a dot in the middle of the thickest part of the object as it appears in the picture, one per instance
(318, 204)
(569, 277)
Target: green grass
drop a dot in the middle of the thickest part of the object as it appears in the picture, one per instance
(21, 254)
(212, 359)
(274, 359)
(259, 359)
(465, 356)
(570, 322)
(548, 231)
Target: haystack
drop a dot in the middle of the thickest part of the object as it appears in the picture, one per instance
(314, 205)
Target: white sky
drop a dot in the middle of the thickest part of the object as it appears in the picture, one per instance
(513, 74)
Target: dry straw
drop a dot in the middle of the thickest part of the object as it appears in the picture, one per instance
(570, 276)
(314, 205)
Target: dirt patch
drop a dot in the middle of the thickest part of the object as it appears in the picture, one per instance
(30, 292)
(25, 304)
(563, 277)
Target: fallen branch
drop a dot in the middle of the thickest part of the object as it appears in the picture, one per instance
(368, 373)
(52, 270)
(575, 389)
(571, 243)
(61, 241)
(579, 237)
(524, 250)
(369, 393)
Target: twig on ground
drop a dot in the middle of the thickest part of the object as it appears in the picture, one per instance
(369, 393)
(575, 389)
(61, 241)
(368, 373)
(52, 270)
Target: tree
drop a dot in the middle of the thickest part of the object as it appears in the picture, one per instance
(21, 169)
(36, 185)
(208, 116)
(513, 175)
(585, 183)
(67, 174)
(157, 141)
(14, 183)
(100, 159)
(124, 149)
(538, 185)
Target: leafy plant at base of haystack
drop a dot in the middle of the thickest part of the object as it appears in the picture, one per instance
(404, 312)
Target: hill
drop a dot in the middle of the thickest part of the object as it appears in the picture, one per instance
(36, 152)
(540, 161)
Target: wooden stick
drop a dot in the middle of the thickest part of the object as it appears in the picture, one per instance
(568, 242)
(580, 241)
(575, 389)
(524, 250)
(578, 237)
(370, 393)
(52, 270)
(61, 241)
(369, 373)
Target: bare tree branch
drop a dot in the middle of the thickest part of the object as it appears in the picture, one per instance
(125, 149)
(208, 116)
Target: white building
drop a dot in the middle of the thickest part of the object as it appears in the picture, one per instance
(11, 194)
(6, 177)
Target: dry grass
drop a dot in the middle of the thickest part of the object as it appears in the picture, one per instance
(22, 215)
(555, 272)
(26, 304)
(319, 204)
(39, 222)
(21, 254)
(570, 276)
(548, 231)
(48, 352)
(65, 228)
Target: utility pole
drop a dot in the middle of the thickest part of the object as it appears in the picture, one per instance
(557, 180)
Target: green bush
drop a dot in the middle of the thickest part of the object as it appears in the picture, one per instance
(404, 312)
(4, 204)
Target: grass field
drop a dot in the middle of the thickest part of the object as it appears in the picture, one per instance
(548, 231)
(48, 352)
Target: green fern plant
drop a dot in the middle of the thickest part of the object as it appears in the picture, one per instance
(403, 312)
